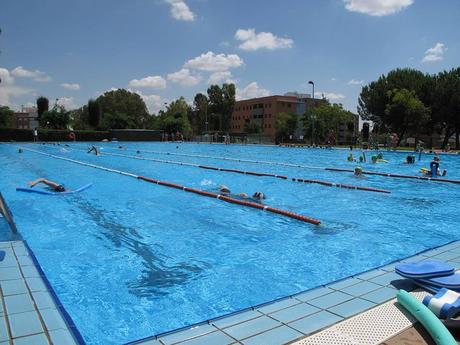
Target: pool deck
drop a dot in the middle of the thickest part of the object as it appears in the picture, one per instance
(30, 312)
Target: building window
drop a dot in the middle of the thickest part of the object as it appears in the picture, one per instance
(269, 126)
(289, 105)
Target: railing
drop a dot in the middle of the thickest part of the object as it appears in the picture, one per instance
(5, 211)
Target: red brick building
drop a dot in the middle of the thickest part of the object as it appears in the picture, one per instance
(262, 112)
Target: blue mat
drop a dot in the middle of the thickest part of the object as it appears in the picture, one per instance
(424, 269)
(450, 282)
(45, 192)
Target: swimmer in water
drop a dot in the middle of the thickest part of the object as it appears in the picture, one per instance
(53, 185)
(20, 151)
(358, 172)
(95, 150)
(258, 196)
(224, 190)
(350, 157)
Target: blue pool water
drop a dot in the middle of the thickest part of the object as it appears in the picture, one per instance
(130, 259)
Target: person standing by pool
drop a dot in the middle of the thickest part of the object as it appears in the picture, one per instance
(53, 185)
(35, 133)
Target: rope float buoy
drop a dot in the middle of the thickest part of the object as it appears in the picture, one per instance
(187, 189)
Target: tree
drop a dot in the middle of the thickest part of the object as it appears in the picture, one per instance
(94, 113)
(221, 103)
(201, 105)
(80, 118)
(228, 96)
(57, 118)
(6, 116)
(446, 104)
(175, 118)
(406, 112)
(374, 98)
(285, 125)
(116, 121)
(324, 121)
(42, 106)
(123, 105)
(251, 127)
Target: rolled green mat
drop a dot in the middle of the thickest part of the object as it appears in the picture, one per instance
(432, 324)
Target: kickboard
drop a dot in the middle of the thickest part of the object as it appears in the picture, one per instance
(45, 192)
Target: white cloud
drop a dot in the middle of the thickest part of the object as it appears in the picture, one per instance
(334, 79)
(67, 102)
(262, 40)
(377, 7)
(252, 90)
(154, 103)
(71, 86)
(214, 62)
(332, 96)
(154, 82)
(181, 11)
(8, 89)
(21, 72)
(217, 77)
(435, 53)
(355, 82)
(184, 77)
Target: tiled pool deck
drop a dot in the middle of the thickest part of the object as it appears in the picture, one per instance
(30, 312)
(303, 314)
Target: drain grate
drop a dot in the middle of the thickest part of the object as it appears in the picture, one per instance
(369, 328)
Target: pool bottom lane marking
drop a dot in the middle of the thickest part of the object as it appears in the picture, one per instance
(187, 189)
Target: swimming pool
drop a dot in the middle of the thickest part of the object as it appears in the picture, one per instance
(129, 259)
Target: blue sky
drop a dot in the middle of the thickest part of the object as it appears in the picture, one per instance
(163, 49)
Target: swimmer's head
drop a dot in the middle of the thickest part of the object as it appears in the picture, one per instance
(224, 189)
(20, 151)
(258, 195)
(358, 171)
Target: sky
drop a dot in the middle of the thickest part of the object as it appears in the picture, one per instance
(71, 51)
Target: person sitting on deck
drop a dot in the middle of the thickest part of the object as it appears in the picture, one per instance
(95, 150)
(53, 185)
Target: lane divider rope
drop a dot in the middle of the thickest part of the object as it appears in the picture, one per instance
(187, 189)
(435, 179)
(304, 166)
(323, 183)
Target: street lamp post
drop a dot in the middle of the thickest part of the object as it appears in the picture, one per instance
(312, 115)
(206, 117)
